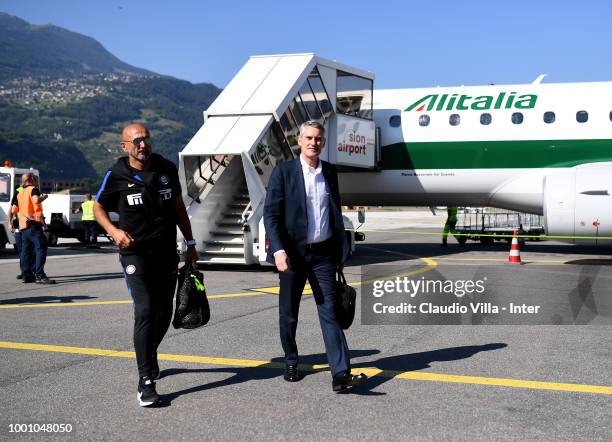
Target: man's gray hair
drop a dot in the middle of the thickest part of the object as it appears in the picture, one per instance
(312, 123)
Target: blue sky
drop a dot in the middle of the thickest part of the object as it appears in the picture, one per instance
(405, 43)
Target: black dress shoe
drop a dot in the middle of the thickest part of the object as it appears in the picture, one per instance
(344, 381)
(291, 373)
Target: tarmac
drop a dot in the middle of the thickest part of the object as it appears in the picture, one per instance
(68, 355)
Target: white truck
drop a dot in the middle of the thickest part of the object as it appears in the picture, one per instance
(59, 210)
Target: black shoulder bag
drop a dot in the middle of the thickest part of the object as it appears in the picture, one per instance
(345, 302)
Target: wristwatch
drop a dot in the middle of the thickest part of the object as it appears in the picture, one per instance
(190, 242)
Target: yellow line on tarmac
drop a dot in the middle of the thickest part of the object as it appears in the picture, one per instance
(63, 304)
(372, 372)
(127, 301)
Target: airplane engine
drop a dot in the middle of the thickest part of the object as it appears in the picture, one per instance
(578, 202)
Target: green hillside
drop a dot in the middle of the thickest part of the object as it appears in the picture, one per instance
(66, 120)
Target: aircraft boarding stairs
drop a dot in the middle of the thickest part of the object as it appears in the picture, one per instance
(226, 242)
(251, 127)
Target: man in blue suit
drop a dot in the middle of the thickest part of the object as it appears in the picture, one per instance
(303, 221)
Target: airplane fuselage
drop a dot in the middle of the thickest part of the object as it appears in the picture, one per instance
(484, 145)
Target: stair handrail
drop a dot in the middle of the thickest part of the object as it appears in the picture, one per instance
(212, 171)
(244, 215)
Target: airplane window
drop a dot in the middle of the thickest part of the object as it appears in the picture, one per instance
(395, 121)
(582, 116)
(610, 115)
(549, 117)
(517, 118)
(424, 120)
(454, 119)
(485, 119)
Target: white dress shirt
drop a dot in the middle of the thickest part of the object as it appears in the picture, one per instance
(317, 203)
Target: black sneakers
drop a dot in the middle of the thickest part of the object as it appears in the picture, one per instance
(44, 280)
(147, 396)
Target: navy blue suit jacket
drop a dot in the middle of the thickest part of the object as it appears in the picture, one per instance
(285, 215)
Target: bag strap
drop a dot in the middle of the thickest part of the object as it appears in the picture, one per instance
(340, 277)
(189, 268)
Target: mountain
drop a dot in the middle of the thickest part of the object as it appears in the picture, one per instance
(47, 50)
(64, 100)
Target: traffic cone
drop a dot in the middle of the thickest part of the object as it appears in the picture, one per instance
(515, 251)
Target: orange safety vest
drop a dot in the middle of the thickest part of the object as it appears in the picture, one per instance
(28, 210)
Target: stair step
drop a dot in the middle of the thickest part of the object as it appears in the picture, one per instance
(238, 205)
(230, 222)
(223, 250)
(220, 260)
(235, 213)
(235, 232)
(226, 240)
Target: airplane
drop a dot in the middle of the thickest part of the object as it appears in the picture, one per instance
(542, 148)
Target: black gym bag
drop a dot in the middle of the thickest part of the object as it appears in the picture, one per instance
(192, 309)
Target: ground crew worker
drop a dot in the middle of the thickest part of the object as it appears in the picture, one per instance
(31, 224)
(144, 189)
(90, 225)
(14, 227)
(449, 226)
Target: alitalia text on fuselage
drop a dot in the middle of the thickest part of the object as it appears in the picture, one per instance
(448, 102)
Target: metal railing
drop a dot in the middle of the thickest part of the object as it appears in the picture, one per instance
(209, 172)
(245, 215)
(478, 219)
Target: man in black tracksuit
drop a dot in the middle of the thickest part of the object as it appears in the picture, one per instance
(144, 189)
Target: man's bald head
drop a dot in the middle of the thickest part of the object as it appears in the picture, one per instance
(136, 143)
(128, 131)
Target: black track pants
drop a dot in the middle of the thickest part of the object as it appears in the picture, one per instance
(151, 281)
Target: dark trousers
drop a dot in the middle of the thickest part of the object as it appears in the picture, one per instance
(318, 267)
(151, 281)
(33, 244)
(19, 247)
(17, 236)
(91, 231)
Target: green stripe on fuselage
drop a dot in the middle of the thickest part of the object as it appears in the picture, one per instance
(495, 154)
